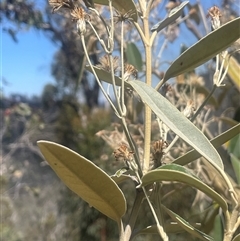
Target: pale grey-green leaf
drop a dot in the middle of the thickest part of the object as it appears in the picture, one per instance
(205, 49)
(173, 172)
(216, 142)
(85, 179)
(173, 15)
(177, 122)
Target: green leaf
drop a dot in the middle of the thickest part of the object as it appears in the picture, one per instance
(173, 15)
(84, 178)
(217, 232)
(216, 142)
(177, 122)
(236, 166)
(122, 6)
(173, 172)
(187, 226)
(234, 145)
(233, 71)
(209, 215)
(134, 57)
(205, 49)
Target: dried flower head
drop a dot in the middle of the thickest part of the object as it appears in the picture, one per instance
(189, 109)
(158, 152)
(215, 14)
(57, 4)
(80, 16)
(105, 63)
(129, 70)
(122, 153)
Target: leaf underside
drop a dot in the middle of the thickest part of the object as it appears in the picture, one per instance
(173, 172)
(177, 122)
(205, 49)
(216, 142)
(85, 179)
(173, 15)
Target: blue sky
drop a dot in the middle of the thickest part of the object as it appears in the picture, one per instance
(26, 65)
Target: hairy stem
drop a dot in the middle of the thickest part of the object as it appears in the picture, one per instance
(96, 76)
(122, 66)
(147, 110)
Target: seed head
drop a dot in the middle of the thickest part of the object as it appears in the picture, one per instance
(158, 152)
(215, 14)
(105, 63)
(122, 153)
(189, 109)
(80, 16)
(129, 70)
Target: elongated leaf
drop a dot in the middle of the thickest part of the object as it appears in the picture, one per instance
(218, 228)
(209, 215)
(234, 144)
(173, 15)
(216, 142)
(173, 172)
(85, 179)
(177, 122)
(122, 6)
(133, 56)
(187, 226)
(205, 49)
(233, 71)
(236, 166)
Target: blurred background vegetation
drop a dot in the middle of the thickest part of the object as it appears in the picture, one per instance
(35, 204)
